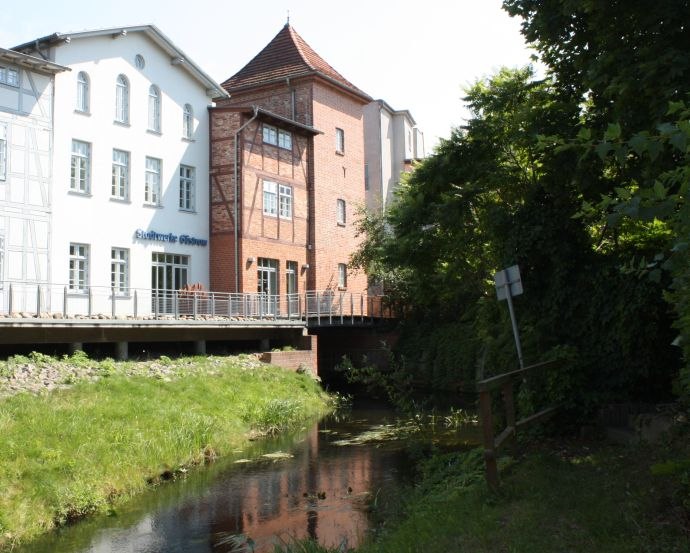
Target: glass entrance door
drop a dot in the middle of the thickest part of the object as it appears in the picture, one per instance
(169, 272)
(267, 285)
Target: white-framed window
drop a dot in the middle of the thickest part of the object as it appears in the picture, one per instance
(188, 121)
(122, 99)
(9, 75)
(187, 188)
(152, 181)
(119, 271)
(270, 198)
(284, 139)
(285, 202)
(139, 61)
(291, 277)
(341, 211)
(270, 134)
(340, 141)
(2, 261)
(78, 267)
(120, 182)
(154, 108)
(80, 175)
(277, 137)
(3, 152)
(82, 92)
(342, 275)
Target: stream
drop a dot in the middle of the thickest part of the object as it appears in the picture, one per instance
(320, 482)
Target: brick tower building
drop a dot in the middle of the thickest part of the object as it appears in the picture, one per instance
(291, 136)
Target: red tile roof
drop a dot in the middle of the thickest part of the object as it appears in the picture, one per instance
(287, 55)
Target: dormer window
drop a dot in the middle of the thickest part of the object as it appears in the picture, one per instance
(187, 122)
(82, 92)
(122, 99)
(154, 109)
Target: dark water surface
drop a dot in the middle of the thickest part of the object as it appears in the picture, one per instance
(323, 490)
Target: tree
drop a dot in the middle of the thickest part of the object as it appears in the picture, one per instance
(492, 196)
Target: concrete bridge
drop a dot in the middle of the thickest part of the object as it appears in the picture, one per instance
(33, 314)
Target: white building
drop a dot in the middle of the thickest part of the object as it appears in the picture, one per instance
(392, 142)
(26, 139)
(130, 164)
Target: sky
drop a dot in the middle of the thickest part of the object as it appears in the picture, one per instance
(417, 55)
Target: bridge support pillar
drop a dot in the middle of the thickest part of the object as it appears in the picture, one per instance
(200, 347)
(121, 351)
(74, 347)
(264, 344)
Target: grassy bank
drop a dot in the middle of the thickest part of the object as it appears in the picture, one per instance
(572, 496)
(112, 429)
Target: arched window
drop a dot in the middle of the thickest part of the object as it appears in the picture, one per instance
(122, 99)
(187, 122)
(154, 108)
(83, 92)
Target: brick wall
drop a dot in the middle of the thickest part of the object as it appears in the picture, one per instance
(291, 360)
(337, 176)
(314, 228)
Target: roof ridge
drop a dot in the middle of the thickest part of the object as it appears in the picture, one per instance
(297, 40)
(287, 55)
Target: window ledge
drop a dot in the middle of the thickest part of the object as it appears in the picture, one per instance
(190, 140)
(84, 113)
(190, 211)
(120, 200)
(342, 288)
(341, 224)
(154, 132)
(121, 123)
(340, 152)
(77, 193)
(152, 206)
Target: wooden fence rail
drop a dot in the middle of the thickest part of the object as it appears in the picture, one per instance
(505, 383)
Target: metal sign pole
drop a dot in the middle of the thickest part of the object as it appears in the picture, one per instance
(513, 320)
(509, 284)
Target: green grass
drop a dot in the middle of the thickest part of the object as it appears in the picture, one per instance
(601, 499)
(80, 450)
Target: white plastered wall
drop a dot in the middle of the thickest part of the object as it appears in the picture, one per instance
(97, 219)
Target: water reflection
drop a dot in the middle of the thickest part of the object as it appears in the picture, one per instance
(321, 490)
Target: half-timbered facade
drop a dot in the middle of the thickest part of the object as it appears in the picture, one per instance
(26, 141)
(269, 157)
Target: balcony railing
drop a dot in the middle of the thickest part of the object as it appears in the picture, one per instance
(56, 301)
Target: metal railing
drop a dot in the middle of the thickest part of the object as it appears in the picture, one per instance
(59, 301)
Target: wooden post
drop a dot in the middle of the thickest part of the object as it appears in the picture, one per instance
(136, 302)
(90, 300)
(9, 300)
(509, 402)
(112, 299)
(491, 472)
(38, 301)
(352, 308)
(195, 305)
(341, 307)
(176, 304)
(64, 302)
